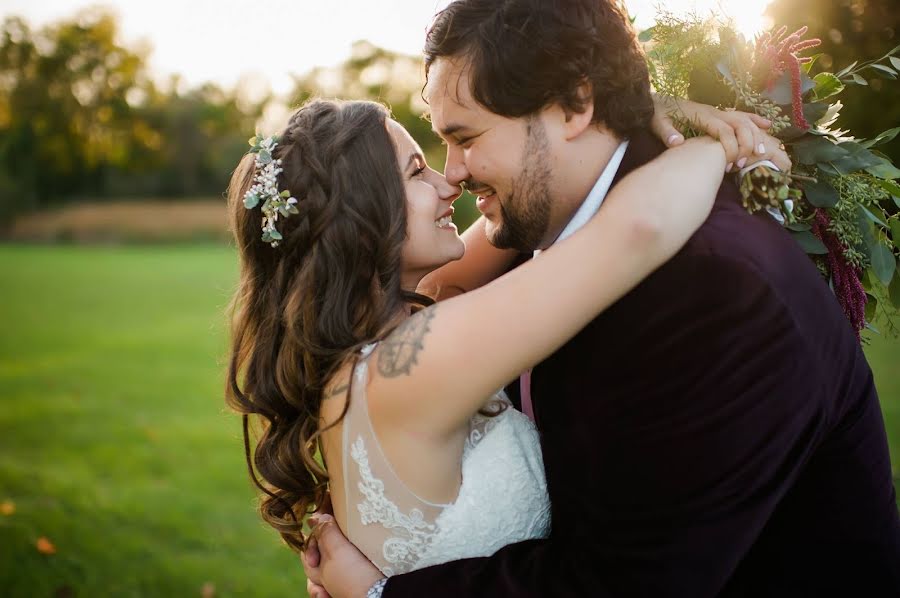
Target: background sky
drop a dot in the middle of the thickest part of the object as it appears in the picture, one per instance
(226, 41)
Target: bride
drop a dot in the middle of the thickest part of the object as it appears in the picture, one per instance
(373, 393)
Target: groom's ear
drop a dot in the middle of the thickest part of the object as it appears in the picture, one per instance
(577, 121)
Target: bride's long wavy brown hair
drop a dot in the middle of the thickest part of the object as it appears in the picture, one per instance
(304, 308)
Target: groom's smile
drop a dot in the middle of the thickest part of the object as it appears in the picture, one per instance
(505, 162)
(484, 196)
(484, 201)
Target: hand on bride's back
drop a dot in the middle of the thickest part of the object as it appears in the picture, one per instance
(334, 567)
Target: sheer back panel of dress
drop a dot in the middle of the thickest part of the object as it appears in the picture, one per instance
(502, 497)
(389, 523)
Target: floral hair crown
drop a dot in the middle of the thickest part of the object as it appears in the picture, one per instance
(265, 189)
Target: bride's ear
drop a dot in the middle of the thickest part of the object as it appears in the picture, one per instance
(579, 120)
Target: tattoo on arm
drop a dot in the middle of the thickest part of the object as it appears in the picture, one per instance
(397, 353)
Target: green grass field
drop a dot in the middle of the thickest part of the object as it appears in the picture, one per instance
(116, 445)
(115, 442)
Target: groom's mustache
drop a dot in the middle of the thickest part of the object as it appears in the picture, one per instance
(474, 186)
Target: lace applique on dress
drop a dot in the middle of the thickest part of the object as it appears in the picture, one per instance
(412, 533)
(482, 424)
(502, 498)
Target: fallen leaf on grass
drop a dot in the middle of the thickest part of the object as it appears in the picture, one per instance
(209, 590)
(45, 546)
(7, 507)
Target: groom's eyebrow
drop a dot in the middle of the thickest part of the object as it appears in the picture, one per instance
(452, 129)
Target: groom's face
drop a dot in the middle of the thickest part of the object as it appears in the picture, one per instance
(505, 162)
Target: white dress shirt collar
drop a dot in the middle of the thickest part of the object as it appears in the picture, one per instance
(596, 196)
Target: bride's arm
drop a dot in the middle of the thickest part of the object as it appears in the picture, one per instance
(495, 332)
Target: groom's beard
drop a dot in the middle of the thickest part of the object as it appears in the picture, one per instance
(525, 215)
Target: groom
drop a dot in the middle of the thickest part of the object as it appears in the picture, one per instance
(714, 433)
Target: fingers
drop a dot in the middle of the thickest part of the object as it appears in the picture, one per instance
(760, 121)
(774, 152)
(663, 128)
(780, 158)
(742, 135)
(725, 135)
(313, 574)
(311, 557)
(325, 507)
(661, 123)
(325, 537)
(319, 522)
(342, 568)
(326, 534)
(316, 591)
(753, 143)
(746, 145)
(674, 138)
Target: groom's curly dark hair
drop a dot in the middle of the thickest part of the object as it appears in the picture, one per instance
(528, 54)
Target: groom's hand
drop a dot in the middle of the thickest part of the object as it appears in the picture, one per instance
(310, 559)
(335, 567)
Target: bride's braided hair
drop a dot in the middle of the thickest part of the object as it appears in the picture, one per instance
(304, 308)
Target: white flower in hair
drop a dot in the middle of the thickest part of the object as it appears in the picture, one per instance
(265, 189)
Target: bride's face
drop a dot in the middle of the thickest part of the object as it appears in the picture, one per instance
(432, 239)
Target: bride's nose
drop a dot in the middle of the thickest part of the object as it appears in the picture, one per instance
(446, 190)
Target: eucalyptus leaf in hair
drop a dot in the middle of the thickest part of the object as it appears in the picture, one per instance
(265, 188)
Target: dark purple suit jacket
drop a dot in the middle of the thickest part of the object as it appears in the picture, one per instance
(714, 433)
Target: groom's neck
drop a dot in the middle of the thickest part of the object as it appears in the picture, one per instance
(577, 168)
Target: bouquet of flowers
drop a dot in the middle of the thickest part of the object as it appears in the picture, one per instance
(842, 199)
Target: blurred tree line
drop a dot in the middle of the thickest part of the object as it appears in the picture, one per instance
(81, 117)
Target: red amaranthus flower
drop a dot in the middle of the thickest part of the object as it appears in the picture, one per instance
(844, 277)
(774, 55)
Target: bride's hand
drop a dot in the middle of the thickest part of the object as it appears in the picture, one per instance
(743, 135)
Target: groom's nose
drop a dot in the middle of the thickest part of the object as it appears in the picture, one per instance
(455, 168)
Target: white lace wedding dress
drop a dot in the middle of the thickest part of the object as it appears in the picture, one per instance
(502, 499)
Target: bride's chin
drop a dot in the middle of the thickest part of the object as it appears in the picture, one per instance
(461, 251)
(449, 260)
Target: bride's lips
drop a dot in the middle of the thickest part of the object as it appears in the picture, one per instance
(445, 220)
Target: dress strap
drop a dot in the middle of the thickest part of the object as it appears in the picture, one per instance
(361, 371)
